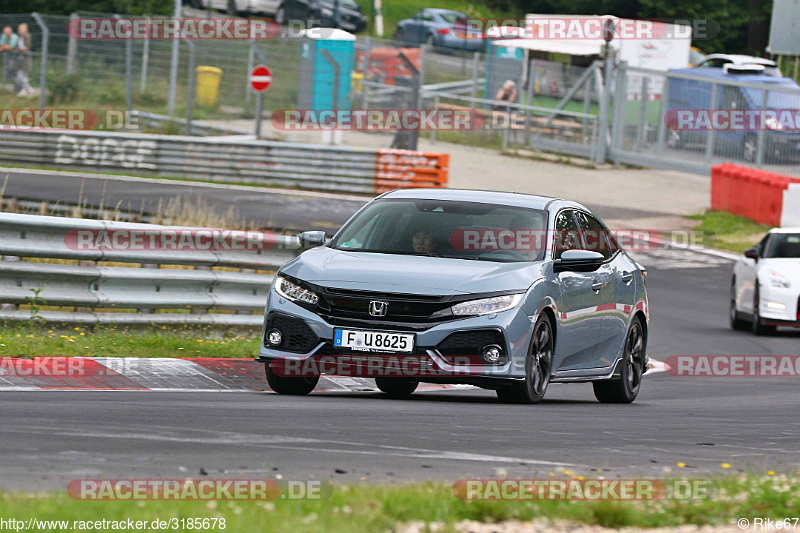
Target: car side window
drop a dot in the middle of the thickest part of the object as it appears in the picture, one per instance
(567, 236)
(596, 237)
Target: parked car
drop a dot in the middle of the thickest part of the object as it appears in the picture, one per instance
(440, 27)
(765, 288)
(696, 56)
(742, 143)
(321, 13)
(720, 60)
(263, 7)
(411, 275)
(232, 7)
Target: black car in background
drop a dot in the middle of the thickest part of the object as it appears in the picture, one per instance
(322, 13)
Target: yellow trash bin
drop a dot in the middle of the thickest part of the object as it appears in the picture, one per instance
(207, 89)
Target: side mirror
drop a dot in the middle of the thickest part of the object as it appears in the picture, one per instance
(752, 253)
(311, 239)
(578, 261)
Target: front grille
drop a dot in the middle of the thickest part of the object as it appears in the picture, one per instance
(402, 308)
(328, 349)
(470, 342)
(297, 335)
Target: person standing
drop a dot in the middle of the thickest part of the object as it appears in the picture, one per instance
(8, 43)
(22, 85)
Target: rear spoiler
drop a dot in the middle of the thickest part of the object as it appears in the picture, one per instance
(730, 68)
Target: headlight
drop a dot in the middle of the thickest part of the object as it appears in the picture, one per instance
(294, 292)
(485, 306)
(776, 280)
(325, 12)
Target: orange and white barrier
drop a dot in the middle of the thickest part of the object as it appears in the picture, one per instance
(764, 197)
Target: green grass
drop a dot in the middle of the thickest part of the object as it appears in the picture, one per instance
(365, 507)
(155, 341)
(726, 231)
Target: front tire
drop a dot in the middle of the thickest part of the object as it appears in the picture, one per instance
(291, 386)
(397, 387)
(626, 388)
(759, 328)
(538, 367)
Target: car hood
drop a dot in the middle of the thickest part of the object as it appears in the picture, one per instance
(410, 273)
(785, 266)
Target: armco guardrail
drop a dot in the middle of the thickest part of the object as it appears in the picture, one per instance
(306, 166)
(764, 197)
(89, 287)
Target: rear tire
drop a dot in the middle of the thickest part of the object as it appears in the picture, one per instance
(290, 385)
(626, 388)
(397, 387)
(538, 367)
(733, 315)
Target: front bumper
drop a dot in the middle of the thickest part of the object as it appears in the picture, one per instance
(780, 305)
(514, 325)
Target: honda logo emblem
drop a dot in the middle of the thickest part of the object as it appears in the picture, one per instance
(378, 308)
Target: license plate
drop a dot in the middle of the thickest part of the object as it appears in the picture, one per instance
(373, 341)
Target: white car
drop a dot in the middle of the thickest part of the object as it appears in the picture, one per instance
(765, 290)
(720, 60)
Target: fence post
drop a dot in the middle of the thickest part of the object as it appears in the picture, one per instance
(762, 138)
(190, 88)
(710, 139)
(129, 75)
(43, 64)
(528, 110)
(605, 104)
(476, 62)
(72, 46)
(641, 131)
(587, 93)
(145, 61)
(620, 99)
(662, 113)
(250, 65)
(173, 66)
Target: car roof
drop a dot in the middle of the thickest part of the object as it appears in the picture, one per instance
(715, 72)
(441, 10)
(514, 199)
(739, 59)
(785, 230)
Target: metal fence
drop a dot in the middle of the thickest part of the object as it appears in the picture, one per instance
(592, 111)
(93, 290)
(226, 159)
(645, 129)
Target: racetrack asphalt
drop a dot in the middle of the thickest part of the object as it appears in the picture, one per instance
(50, 438)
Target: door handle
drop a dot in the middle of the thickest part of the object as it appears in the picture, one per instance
(597, 286)
(627, 277)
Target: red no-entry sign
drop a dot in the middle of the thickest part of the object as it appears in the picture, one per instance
(260, 78)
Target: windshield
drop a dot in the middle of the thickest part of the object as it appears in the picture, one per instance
(776, 100)
(451, 17)
(782, 245)
(437, 228)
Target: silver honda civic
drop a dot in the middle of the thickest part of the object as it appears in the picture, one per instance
(505, 291)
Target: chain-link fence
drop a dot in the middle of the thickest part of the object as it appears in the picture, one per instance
(570, 108)
(693, 120)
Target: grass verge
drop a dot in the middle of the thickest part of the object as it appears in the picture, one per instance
(183, 341)
(383, 508)
(726, 231)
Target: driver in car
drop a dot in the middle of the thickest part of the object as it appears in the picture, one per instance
(423, 242)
